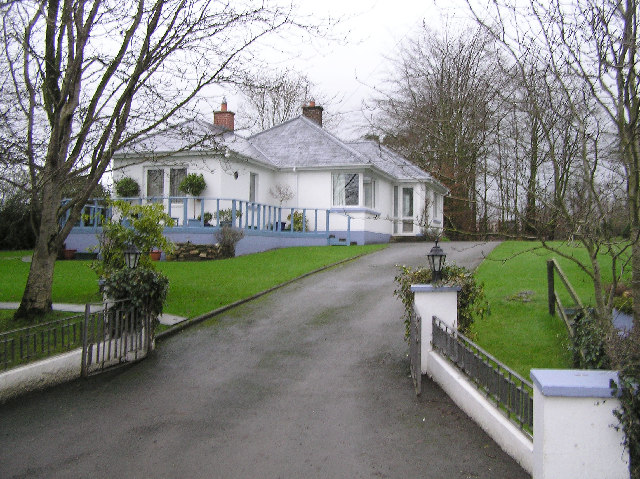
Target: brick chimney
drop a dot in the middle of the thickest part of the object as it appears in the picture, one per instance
(223, 117)
(313, 112)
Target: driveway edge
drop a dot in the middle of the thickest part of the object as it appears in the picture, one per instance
(198, 319)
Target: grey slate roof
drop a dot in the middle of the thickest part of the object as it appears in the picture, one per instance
(193, 136)
(302, 143)
(389, 162)
(297, 143)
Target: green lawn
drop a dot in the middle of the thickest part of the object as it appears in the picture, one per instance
(520, 333)
(194, 287)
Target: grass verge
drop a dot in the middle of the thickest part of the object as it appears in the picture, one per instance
(519, 331)
(194, 287)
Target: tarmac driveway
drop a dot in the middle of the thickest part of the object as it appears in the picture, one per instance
(309, 381)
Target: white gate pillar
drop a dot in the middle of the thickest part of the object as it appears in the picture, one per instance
(430, 301)
(573, 426)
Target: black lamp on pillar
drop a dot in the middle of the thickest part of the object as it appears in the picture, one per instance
(131, 257)
(436, 259)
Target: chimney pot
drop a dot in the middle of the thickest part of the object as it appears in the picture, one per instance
(223, 117)
(313, 112)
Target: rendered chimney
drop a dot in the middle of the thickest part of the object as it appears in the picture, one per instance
(223, 117)
(313, 112)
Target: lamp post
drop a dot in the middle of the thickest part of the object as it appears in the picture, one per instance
(131, 257)
(436, 259)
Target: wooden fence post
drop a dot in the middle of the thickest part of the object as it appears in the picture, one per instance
(550, 287)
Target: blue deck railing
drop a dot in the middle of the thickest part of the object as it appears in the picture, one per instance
(189, 212)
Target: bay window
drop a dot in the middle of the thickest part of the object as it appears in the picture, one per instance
(369, 191)
(346, 189)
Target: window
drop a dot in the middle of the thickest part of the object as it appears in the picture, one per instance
(155, 183)
(346, 189)
(407, 202)
(369, 191)
(176, 175)
(395, 201)
(407, 210)
(253, 184)
(395, 209)
(437, 206)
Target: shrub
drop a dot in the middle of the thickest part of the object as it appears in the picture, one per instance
(193, 184)
(297, 221)
(472, 302)
(228, 238)
(624, 352)
(127, 187)
(589, 343)
(144, 288)
(225, 215)
(623, 303)
(207, 217)
(629, 417)
(144, 231)
(15, 223)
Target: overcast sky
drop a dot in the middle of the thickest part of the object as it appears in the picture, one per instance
(349, 71)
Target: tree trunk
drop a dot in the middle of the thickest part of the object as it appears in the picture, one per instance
(635, 276)
(530, 226)
(36, 299)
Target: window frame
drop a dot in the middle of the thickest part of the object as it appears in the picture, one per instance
(371, 181)
(347, 190)
(161, 174)
(176, 184)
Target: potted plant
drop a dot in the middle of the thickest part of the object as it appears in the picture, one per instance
(281, 193)
(69, 253)
(207, 218)
(224, 217)
(298, 224)
(155, 254)
(127, 187)
(193, 184)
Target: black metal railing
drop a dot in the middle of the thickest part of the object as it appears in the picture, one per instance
(510, 392)
(23, 345)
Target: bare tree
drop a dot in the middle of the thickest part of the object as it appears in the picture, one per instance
(85, 78)
(439, 112)
(588, 49)
(275, 97)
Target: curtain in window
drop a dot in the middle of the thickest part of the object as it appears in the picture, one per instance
(155, 183)
(175, 178)
(407, 202)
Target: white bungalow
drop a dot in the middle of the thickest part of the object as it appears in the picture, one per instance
(346, 192)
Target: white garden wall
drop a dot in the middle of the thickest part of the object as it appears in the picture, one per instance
(574, 428)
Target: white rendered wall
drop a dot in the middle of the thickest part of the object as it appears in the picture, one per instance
(442, 303)
(574, 433)
(573, 424)
(312, 188)
(38, 375)
(492, 421)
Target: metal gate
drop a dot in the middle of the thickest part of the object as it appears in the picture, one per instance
(115, 335)
(415, 347)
